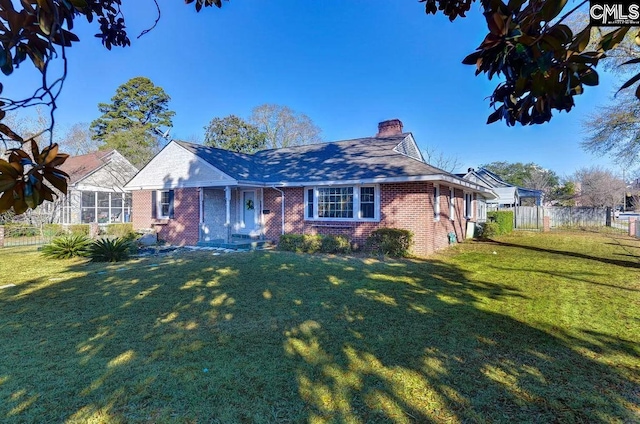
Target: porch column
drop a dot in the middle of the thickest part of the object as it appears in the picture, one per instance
(201, 203)
(227, 198)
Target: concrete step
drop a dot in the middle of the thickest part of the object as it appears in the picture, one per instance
(246, 244)
(244, 237)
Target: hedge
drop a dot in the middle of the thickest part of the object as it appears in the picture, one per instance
(306, 243)
(120, 230)
(390, 241)
(80, 229)
(18, 229)
(504, 221)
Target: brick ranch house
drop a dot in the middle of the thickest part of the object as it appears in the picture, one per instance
(197, 194)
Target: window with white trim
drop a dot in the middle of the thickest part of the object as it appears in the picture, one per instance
(104, 207)
(367, 202)
(342, 203)
(436, 202)
(468, 202)
(164, 204)
(452, 203)
(310, 203)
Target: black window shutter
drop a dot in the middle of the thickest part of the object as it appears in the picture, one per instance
(154, 201)
(171, 204)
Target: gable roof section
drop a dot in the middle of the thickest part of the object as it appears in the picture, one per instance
(363, 160)
(358, 159)
(181, 164)
(238, 166)
(81, 166)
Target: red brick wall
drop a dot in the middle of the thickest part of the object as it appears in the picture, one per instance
(183, 229)
(402, 205)
(141, 209)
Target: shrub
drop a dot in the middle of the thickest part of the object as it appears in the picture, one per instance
(110, 250)
(120, 230)
(80, 229)
(306, 243)
(390, 241)
(503, 219)
(67, 246)
(335, 244)
(52, 230)
(489, 229)
(300, 243)
(18, 229)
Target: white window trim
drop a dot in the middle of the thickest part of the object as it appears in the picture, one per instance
(452, 203)
(356, 203)
(124, 210)
(468, 205)
(436, 202)
(159, 214)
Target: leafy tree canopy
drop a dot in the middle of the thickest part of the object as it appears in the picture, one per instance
(527, 175)
(235, 134)
(129, 122)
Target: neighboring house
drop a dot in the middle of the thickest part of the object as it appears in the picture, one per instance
(95, 191)
(508, 195)
(192, 193)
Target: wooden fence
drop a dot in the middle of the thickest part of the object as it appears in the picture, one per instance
(532, 217)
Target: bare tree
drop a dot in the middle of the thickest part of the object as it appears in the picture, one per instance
(25, 123)
(77, 140)
(597, 186)
(437, 158)
(284, 127)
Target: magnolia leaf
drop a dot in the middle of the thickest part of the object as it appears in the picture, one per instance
(49, 154)
(58, 182)
(58, 160)
(629, 83)
(631, 62)
(6, 201)
(7, 169)
(9, 133)
(495, 116)
(79, 3)
(20, 206)
(472, 59)
(6, 183)
(46, 193)
(551, 9)
(35, 150)
(590, 77)
(612, 39)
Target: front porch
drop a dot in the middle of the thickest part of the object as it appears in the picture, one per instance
(231, 217)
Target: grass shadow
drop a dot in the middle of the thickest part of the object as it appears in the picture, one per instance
(277, 337)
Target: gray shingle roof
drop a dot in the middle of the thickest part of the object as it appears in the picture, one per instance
(238, 166)
(357, 159)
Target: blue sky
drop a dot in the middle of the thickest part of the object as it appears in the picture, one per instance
(346, 64)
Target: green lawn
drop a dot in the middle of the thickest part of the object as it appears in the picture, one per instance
(532, 328)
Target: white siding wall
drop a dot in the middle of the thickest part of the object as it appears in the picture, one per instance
(176, 167)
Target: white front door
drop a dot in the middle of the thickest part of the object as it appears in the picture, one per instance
(249, 210)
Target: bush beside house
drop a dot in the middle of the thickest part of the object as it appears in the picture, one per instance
(306, 243)
(394, 242)
(498, 223)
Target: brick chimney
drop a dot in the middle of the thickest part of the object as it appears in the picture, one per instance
(389, 128)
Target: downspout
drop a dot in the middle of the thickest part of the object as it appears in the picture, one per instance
(282, 212)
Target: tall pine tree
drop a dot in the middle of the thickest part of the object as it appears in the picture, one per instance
(128, 123)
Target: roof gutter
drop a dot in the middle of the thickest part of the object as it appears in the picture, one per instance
(282, 204)
(458, 182)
